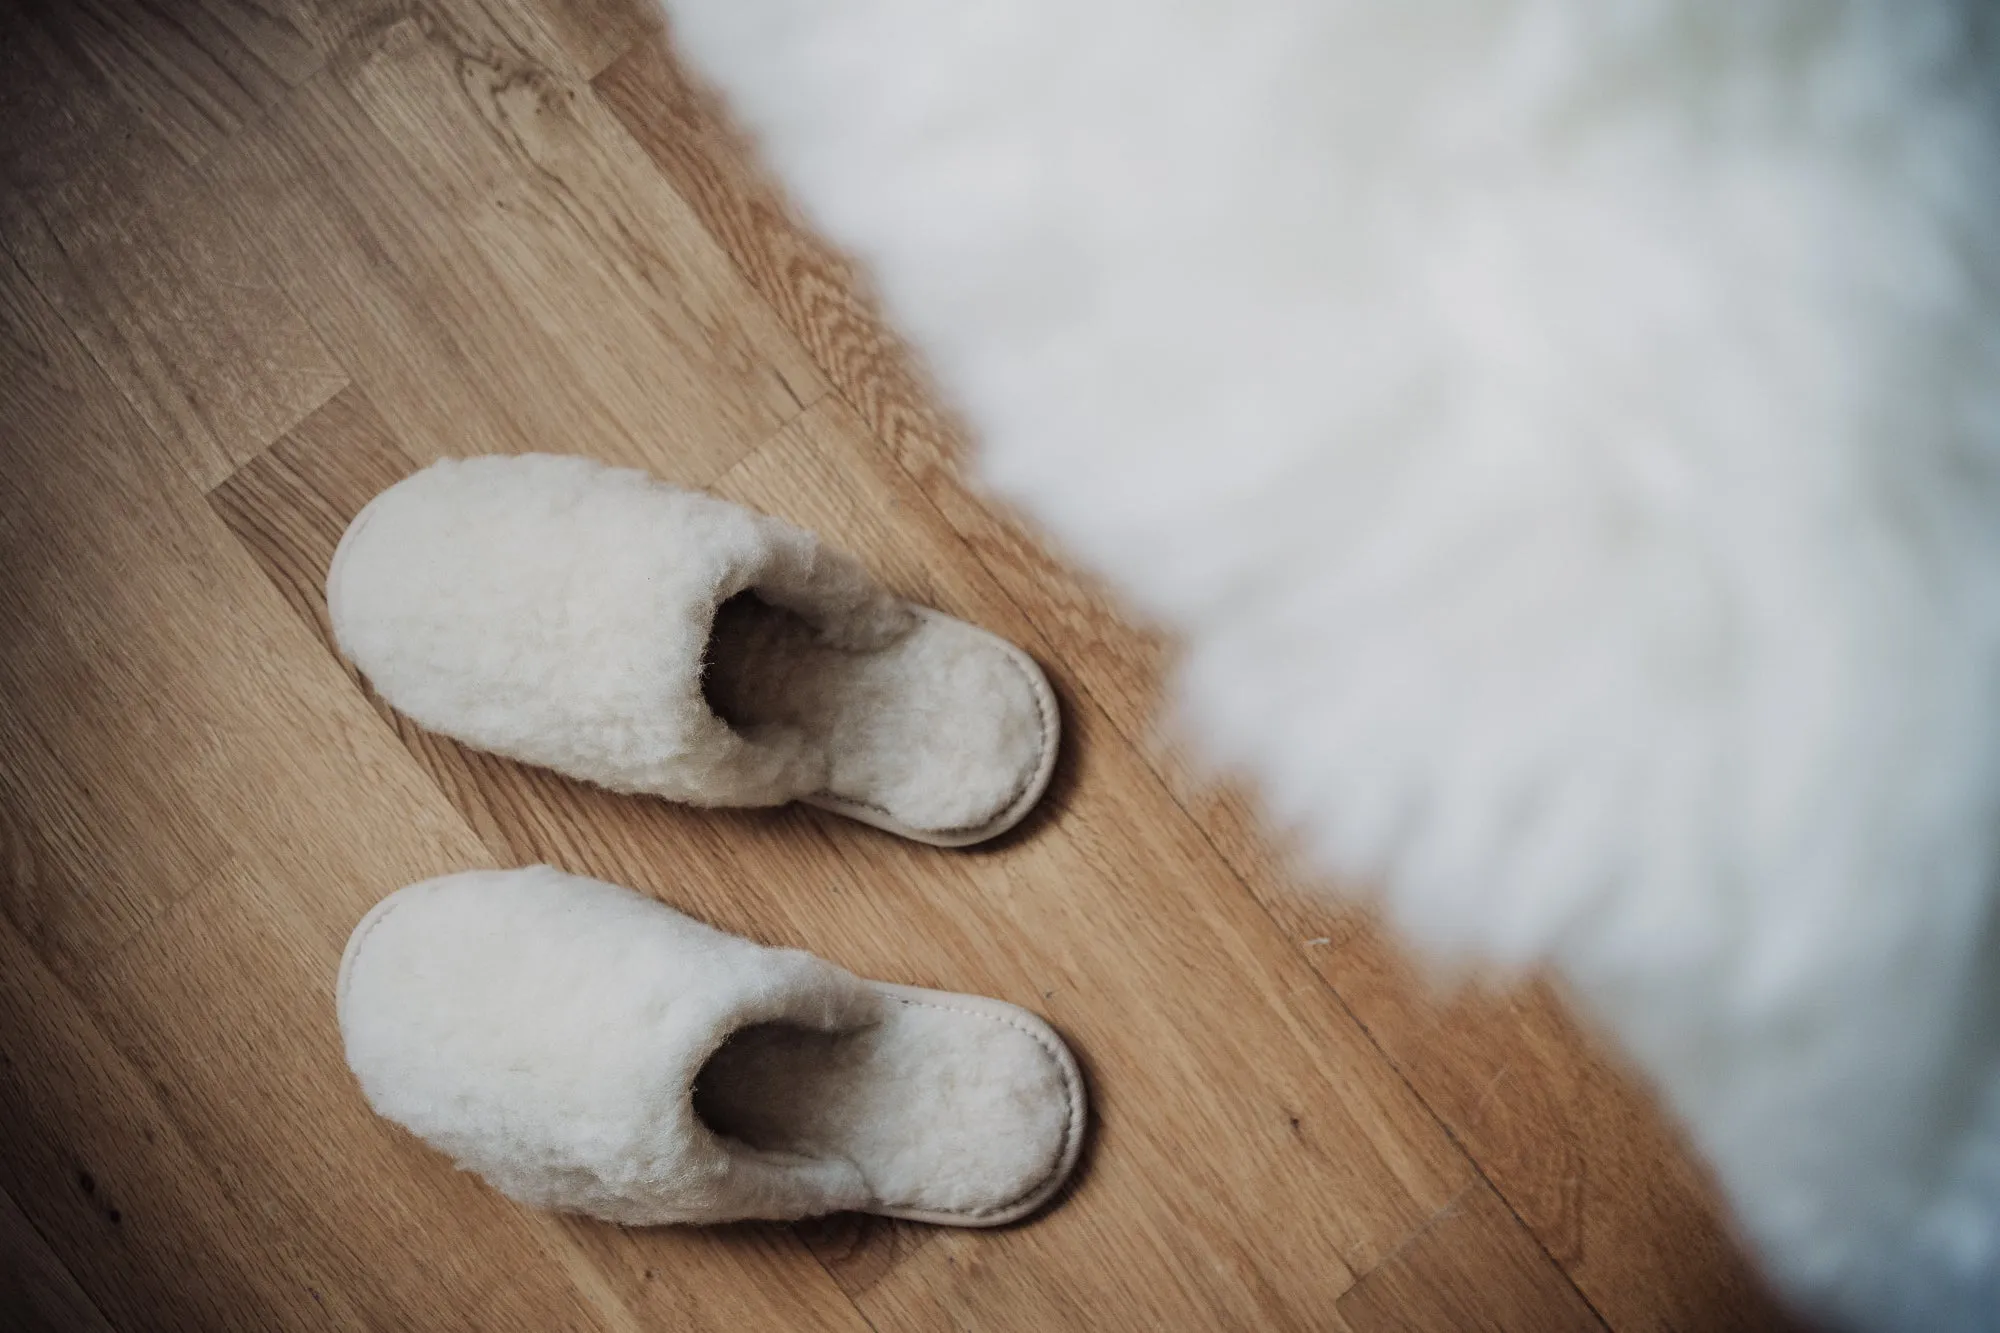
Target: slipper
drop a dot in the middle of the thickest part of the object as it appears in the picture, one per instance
(586, 1048)
(604, 624)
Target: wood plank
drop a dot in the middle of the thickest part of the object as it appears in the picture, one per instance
(155, 684)
(102, 1171)
(190, 76)
(506, 289)
(186, 73)
(87, 863)
(1474, 1266)
(573, 217)
(86, 868)
(62, 127)
(37, 1293)
(140, 652)
(578, 37)
(178, 314)
(815, 290)
(267, 31)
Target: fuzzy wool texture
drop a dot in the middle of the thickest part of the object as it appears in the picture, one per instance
(1565, 436)
(585, 1048)
(561, 612)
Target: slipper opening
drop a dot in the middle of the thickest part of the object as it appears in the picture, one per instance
(951, 1114)
(942, 729)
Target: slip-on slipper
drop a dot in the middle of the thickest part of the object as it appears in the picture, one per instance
(585, 1048)
(599, 622)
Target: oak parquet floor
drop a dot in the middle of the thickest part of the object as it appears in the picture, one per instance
(259, 259)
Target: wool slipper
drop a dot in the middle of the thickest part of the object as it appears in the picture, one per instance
(604, 624)
(586, 1048)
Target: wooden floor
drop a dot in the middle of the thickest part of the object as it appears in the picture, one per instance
(260, 258)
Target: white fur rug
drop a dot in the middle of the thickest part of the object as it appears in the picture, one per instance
(1566, 434)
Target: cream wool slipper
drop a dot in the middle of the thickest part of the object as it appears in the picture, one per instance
(586, 1048)
(580, 617)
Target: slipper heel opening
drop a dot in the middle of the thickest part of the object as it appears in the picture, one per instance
(766, 1084)
(950, 1115)
(748, 671)
(942, 735)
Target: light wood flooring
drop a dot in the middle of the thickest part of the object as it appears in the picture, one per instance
(260, 258)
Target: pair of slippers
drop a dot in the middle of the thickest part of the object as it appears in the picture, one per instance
(586, 1048)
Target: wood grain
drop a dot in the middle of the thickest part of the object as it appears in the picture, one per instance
(455, 223)
(178, 315)
(37, 1294)
(1473, 1266)
(102, 1170)
(261, 258)
(176, 77)
(1601, 1178)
